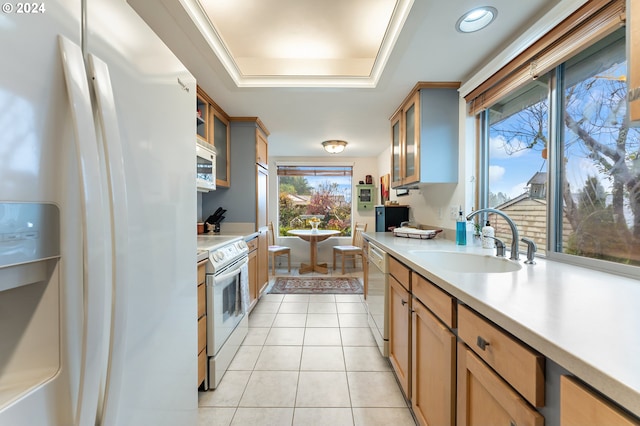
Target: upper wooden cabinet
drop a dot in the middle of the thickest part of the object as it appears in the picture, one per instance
(262, 149)
(213, 128)
(424, 136)
(633, 61)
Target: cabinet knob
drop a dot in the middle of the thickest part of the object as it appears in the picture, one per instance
(482, 344)
(404, 302)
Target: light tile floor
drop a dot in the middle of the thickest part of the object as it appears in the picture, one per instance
(307, 360)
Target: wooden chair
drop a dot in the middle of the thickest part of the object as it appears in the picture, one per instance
(275, 251)
(355, 249)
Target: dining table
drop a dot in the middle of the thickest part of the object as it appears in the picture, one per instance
(313, 236)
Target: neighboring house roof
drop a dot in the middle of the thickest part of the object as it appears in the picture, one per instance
(519, 199)
(540, 178)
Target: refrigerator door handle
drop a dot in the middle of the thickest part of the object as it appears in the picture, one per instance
(96, 253)
(111, 145)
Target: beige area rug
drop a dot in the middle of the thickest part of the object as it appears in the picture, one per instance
(316, 285)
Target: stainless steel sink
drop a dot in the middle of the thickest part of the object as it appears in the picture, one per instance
(466, 262)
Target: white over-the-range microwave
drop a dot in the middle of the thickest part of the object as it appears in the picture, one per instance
(205, 167)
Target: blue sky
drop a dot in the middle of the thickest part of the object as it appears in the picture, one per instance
(510, 173)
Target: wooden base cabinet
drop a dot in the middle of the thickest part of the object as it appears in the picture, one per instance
(399, 333)
(263, 261)
(484, 398)
(580, 406)
(253, 272)
(202, 322)
(258, 268)
(433, 371)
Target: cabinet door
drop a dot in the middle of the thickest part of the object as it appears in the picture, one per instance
(263, 261)
(580, 406)
(485, 399)
(202, 114)
(253, 278)
(399, 333)
(433, 371)
(262, 193)
(262, 150)
(221, 142)
(396, 149)
(411, 150)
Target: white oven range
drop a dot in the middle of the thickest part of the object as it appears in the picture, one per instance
(227, 294)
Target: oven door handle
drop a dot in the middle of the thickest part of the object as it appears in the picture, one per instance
(231, 274)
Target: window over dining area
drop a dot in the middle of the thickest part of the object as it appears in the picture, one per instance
(314, 193)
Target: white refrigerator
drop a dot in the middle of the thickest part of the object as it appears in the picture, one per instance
(98, 320)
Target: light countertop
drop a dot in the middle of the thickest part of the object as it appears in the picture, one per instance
(584, 320)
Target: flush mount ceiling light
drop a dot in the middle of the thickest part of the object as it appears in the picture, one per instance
(334, 146)
(476, 19)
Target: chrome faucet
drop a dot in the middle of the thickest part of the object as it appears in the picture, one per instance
(514, 230)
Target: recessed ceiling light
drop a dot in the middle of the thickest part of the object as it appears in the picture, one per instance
(476, 19)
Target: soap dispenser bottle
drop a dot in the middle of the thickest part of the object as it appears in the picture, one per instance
(461, 229)
(488, 231)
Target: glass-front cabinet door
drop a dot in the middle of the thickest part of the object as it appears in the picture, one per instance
(221, 142)
(411, 114)
(396, 147)
(212, 127)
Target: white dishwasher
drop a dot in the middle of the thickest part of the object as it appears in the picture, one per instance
(377, 297)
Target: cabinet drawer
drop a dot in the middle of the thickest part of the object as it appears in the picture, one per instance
(581, 406)
(519, 365)
(252, 244)
(439, 302)
(202, 366)
(202, 306)
(202, 269)
(400, 272)
(202, 333)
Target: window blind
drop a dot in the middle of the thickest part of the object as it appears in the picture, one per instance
(315, 171)
(593, 21)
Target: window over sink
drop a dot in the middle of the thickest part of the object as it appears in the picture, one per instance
(560, 147)
(314, 193)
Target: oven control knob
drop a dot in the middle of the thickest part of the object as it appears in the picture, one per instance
(220, 256)
(241, 245)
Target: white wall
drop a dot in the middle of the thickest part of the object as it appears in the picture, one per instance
(362, 166)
